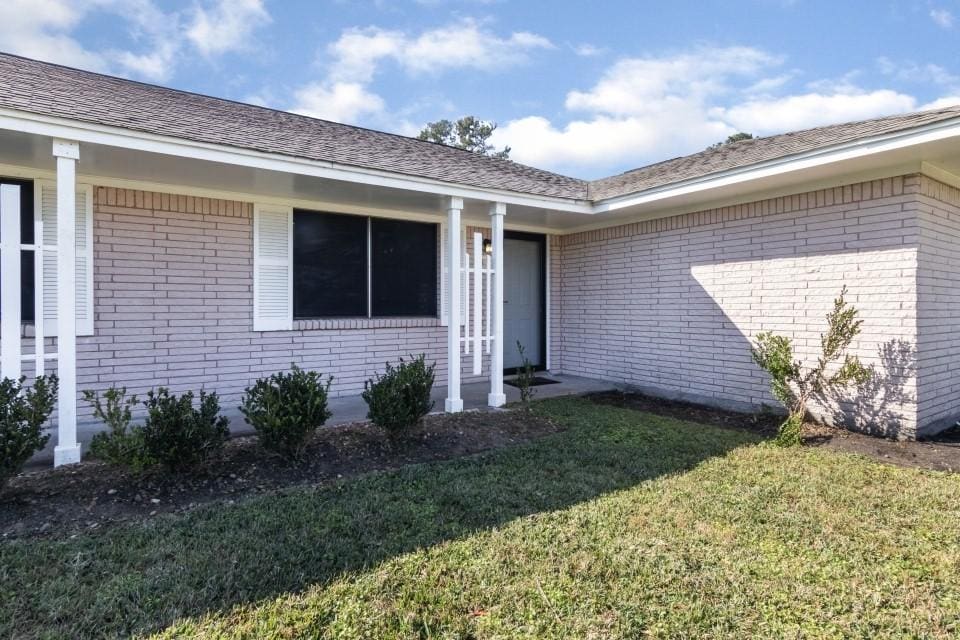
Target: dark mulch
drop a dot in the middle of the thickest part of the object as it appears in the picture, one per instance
(765, 423)
(93, 495)
(939, 453)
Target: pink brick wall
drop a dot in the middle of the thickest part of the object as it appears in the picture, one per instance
(939, 304)
(173, 307)
(672, 304)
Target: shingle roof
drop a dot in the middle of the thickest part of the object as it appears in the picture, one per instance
(749, 152)
(53, 90)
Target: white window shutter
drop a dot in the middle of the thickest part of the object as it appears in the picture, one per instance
(445, 275)
(45, 199)
(272, 268)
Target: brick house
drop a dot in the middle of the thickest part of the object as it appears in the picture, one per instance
(168, 238)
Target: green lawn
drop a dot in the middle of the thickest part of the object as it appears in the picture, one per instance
(624, 525)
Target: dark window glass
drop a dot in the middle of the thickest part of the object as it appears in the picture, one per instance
(26, 257)
(404, 273)
(329, 265)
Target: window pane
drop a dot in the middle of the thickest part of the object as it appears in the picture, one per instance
(329, 265)
(404, 268)
(26, 237)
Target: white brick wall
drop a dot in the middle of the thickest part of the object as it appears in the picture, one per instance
(939, 304)
(672, 304)
(668, 304)
(173, 307)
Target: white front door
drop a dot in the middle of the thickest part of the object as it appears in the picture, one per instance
(523, 299)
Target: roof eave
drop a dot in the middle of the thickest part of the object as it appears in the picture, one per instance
(847, 151)
(86, 132)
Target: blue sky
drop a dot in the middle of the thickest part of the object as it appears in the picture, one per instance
(583, 88)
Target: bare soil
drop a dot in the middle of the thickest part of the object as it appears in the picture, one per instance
(93, 495)
(939, 453)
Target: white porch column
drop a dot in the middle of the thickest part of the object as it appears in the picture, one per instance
(453, 403)
(67, 450)
(10, 287)
(497, 398)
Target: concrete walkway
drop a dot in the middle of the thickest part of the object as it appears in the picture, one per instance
(353, 409)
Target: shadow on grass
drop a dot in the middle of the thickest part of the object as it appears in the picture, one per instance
(142, 578)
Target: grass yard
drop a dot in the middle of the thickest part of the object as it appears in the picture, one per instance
(623, 525)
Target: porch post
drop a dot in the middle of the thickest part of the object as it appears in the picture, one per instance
(497, 398)
(10, 290)
(453, 403)
(67, 450)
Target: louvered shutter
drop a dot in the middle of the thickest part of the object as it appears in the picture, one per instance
(445, 275)
(272, 268)
(46, 207)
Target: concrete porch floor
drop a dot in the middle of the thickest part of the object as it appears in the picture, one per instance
(348, 409)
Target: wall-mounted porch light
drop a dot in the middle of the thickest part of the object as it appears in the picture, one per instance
(487, 247)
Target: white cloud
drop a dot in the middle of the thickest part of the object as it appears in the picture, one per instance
(45, 30)
(647, 109)
(942, 103)
(640, 109)
(358, 54)
(40, 29)
(942, 17)
(640, 86)
(775, 115)
(338, 101)
(587, 50)
(921, 73)
(226, 26)
(462, 45)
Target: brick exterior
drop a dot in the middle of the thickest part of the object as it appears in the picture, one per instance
(173, 280)
(671, 305)
(939, 305)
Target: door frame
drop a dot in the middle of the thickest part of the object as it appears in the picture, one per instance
(541, 239)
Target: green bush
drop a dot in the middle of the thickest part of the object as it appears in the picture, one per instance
(400, 398)
(794, 385)
(286, 408)
(525, 376)
(179, 436)
(22, 415)
(121, 444)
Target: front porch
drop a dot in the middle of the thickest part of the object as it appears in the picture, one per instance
(351, 409)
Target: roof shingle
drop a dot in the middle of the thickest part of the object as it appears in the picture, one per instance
(53, 90)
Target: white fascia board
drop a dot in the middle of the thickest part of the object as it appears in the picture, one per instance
(123, 138)
(847, 151)
(127, 139)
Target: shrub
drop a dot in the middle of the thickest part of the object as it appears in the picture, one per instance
(286, 408)
(179, 436)
(793, 385)
(525, 375)
(22, 415)
(121, 444)
(400, 398)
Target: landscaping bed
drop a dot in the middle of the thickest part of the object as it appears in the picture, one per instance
(939, 453)
(92, 495)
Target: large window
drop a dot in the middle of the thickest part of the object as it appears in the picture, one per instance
(26, 257)
(353, 266)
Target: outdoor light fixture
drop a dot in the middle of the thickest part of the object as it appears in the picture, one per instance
(487, 247)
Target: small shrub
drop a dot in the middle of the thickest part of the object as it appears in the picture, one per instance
(286, 408)
(525, 375)
(793, 385)
(121, 444)
(400, 398)
(179, 436)
(22, 415)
